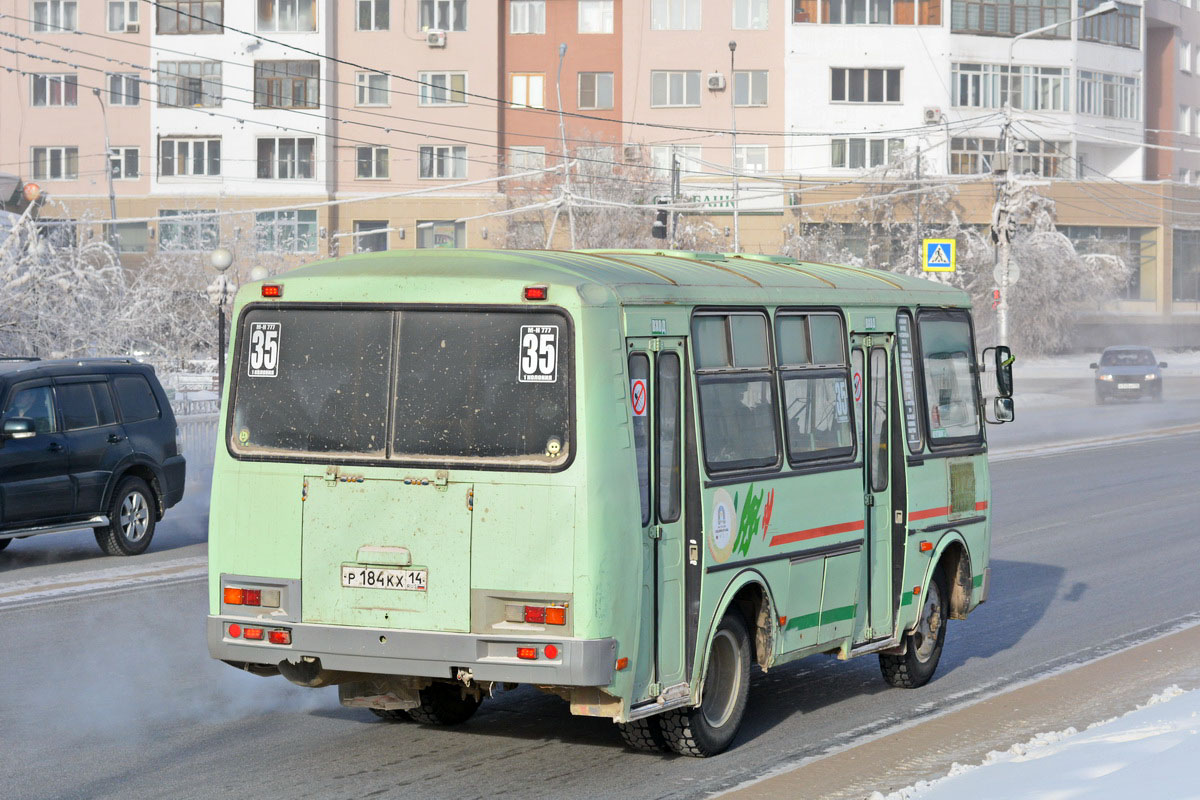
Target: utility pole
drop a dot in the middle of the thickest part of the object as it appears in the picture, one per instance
(737, 243)
(562, 135)
(674, 194)
(108, 170)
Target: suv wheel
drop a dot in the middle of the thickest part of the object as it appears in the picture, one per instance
(131, 520)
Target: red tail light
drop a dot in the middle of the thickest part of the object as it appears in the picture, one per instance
(536, 292)
(272, 290)
(551, 651)
(235, 631)
(252, 597)
(279, 637)
(529, 653)
(535, 614)
(254, 633)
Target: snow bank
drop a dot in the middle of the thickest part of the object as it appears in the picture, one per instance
(1152, 752)
(1181, 363)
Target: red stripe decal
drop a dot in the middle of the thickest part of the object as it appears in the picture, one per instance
(929, 513)
(981, 505)
(815, 533)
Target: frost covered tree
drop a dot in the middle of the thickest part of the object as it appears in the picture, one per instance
(1056, 282)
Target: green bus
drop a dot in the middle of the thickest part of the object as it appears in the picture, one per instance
(624, 477)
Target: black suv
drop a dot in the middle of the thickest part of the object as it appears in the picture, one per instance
(88, 443)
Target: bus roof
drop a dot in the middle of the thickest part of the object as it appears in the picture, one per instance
(647, 276)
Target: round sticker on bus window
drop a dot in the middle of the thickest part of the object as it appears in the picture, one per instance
(720, 536)
(244, 435)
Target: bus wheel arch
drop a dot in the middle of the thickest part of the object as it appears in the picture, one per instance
(955, 563)
(748, 595)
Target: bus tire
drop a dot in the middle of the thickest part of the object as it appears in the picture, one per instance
(445, 704)
(923, 647)
(643, 734)
(131, 520)
(708, 729)
(398, 715)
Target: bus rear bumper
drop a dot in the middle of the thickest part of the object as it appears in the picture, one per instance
(387, 651)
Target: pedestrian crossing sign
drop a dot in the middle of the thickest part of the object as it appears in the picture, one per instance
(939, 255)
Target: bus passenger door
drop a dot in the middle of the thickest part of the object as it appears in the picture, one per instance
(874, 353)
(657, 396)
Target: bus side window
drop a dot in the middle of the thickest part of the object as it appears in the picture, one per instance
(879, 420)
(639, 375)
(948, 359)
(666, 410)
(815, 383)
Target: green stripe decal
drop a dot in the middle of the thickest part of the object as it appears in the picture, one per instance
(826, 617)
(977, 581)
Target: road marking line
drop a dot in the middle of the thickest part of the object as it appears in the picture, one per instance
(60, 587)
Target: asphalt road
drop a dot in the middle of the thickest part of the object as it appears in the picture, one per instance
(114, 696)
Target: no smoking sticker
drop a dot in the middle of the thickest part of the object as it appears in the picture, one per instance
(637, 396)
(858, 387)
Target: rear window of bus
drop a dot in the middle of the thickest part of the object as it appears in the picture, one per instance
(415, 385)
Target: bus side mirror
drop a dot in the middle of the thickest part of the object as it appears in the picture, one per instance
(1003, 409)
(1003, 359)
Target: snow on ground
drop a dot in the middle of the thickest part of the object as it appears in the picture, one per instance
(1153, 752)
(1180, 363)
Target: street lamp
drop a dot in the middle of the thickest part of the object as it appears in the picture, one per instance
(562, 136)
(1002, 226)
(218, 294)
(737, 246)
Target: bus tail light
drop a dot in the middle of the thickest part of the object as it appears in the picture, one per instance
(270, 598)
(279, 636)
(556, 615)
(528, 653)
(234, 631)
(252, 597)
(535, 614)
(234, 596)
(254, 633)
(272, 290)
(537, 292)
(551, 651)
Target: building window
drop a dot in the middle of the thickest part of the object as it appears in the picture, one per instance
(287, 16)
(1122, 27)
(189, 157)
(750, 14)
(1185, 120)
(443, 15)
(1185, 266)
(674, 15)
(864, 12)
(972, 156)
(55, 90)
(1134, 246)
(193, 231)
(750, 87)
(522, 158)
(124, 89)
(287, 84)
(373, 15)
(123, 163)
(865, 85)
(527, 16)
(372, 162)
(372, 89)
(750, 158)
(189, 83)
(674, 88)
(55, 163)
(858, 153)
(285, 231)
(1010, 17)
(527, 90)
(988, 86)
(1185, 56)
(661, 158)
(53, 16)
(286, 158)
(123, 16)
(595, 16)
(595, 90)
(443, 88)
(131, 237)
(190, 16)
(441, 233)
(57, 232)
(1107, 95)
(443, 161)
(370, 235)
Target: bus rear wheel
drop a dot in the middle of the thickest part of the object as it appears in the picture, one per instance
(445, 704)
(923, 646)
(643, 734)
(708, 729)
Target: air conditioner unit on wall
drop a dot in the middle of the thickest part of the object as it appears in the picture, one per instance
(435, 38)
(633, 152)
(132, 27)
(932, 115)
(716, 82)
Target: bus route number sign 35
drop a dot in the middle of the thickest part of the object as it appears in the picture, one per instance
(264, 349)
(539, 354)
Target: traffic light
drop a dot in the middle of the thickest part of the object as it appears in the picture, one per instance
(661, 217)
(995, 298)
